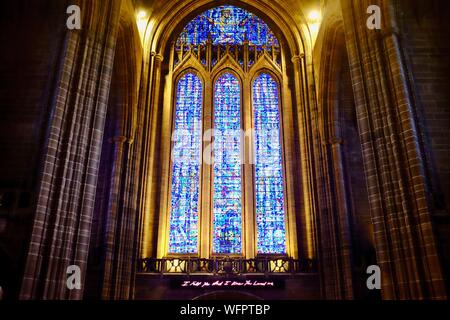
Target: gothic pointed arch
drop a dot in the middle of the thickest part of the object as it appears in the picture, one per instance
(213, 47)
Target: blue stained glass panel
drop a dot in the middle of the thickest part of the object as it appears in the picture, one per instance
(186, 156)
(269, 185)
(227, 25)
(227, 190)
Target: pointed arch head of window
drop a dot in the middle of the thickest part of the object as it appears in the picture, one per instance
(227, 188)
(227, 25)
(269, 180)
(186, 166)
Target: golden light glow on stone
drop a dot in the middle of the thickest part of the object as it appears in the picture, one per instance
(142, 14)
(314, 16)
(143, 24)
(314, 19)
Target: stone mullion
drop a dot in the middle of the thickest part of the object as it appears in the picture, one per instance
(206, 218)
(248, 157)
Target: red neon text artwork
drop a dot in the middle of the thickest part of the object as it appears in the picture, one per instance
(247, 283)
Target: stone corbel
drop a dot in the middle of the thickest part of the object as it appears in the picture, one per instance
(335, 141)
(118, 140)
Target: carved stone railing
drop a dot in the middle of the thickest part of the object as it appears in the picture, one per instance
(226, 266)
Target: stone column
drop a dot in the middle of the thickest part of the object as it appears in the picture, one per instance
(307, 233)
(115, 219)
(400, 210)
(62, 224)
(335, 239)
(152, 162)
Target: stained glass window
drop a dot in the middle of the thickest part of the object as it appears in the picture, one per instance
(227, 25)
(269, 191)
(227, 196)
(186, 158)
